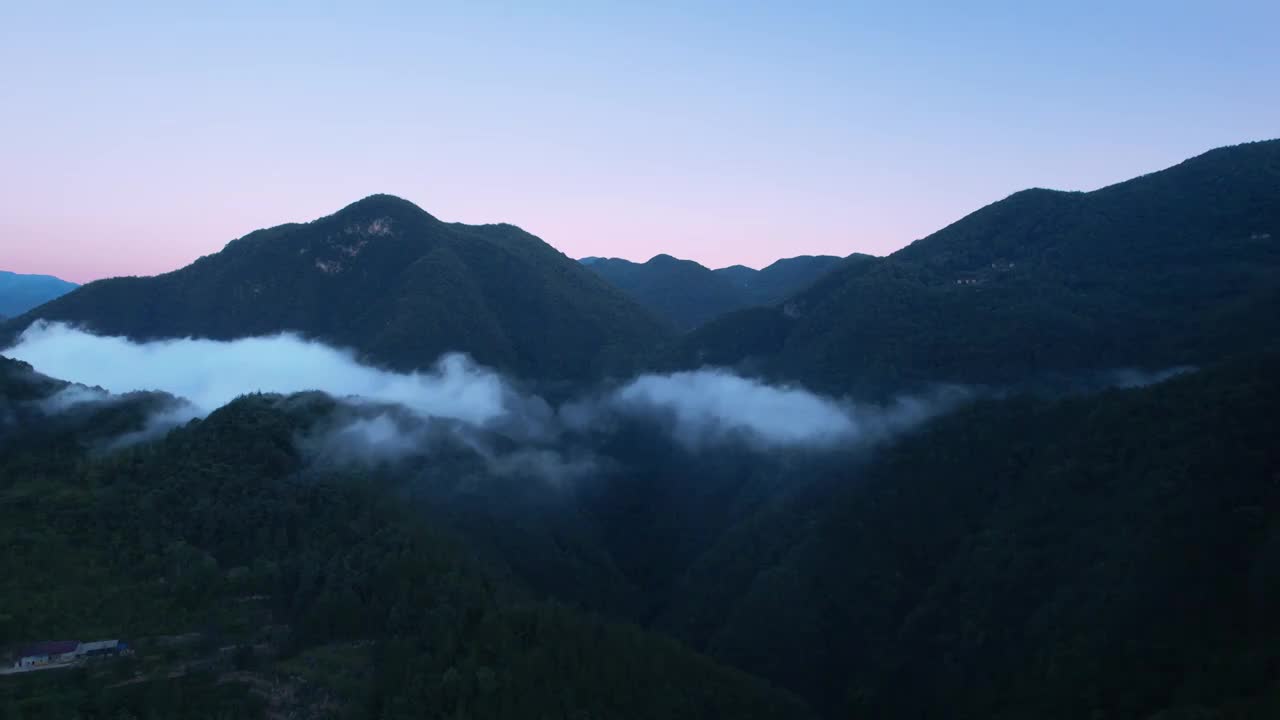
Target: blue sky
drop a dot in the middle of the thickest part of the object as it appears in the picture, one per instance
(139, 136)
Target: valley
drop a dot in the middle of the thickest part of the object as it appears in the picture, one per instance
(381, 465)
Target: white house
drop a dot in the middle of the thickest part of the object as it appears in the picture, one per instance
(61, 652)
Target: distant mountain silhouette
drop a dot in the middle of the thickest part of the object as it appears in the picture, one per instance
(1177, 267)
(783, 278)
(389, 280)
(20, 293)
(687, 294)
(682, 292)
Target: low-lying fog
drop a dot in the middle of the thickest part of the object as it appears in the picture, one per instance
(392, 415)
(699, 408)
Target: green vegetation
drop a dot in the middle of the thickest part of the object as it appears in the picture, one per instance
(1180, 267)
(1043, 552)
(390, 281)
(1107, 556)
(221, 530)
(1112, 555)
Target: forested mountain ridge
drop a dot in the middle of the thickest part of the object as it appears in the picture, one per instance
(387, 279)
(782, 278)
(1060, 554)
(1108, 555)
(20, 293)
(682, 292)
(1104, 556)
(330, 592)
(1181, 266)
(688, 294)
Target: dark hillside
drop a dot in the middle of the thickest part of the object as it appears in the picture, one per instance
(391, 281)
(1177, 267)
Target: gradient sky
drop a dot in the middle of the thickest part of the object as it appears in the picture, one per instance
(137, 137)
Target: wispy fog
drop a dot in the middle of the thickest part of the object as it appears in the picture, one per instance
(74, 396)
(388, 416)
(159, 423)
(1130, 378)
(210, 373)
(709, 407)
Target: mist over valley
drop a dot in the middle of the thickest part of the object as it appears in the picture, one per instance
(381, 464)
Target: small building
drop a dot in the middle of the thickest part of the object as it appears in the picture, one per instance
(48, 653)
(99, 648)
(60, 652)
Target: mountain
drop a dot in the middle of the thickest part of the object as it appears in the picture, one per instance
(682, 292)
(1112, 555)
(781, 279)
(254, 584)
(1178, 267)
(20, 293)
(1105, 555)
(389, 280)
(687, 294)
(1039, 543)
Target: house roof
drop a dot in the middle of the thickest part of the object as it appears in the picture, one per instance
(51, 647)
(98, 645)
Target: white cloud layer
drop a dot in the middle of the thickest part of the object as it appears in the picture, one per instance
(710, 405)
(715, 406)
(700, 409)
(211, 373)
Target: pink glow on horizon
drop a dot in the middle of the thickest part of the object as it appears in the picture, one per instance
(87, 228)
(82, 249)
(138, 239)
(136, 139)
(85, 251)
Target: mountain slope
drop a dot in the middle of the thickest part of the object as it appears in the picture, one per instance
(781, 279)
(391, 281)
(1177, 267)
(327, 589)
(688, 295)
(20, 293)
(1104, 556)
(682, 292)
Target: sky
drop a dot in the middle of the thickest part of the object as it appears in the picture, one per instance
(136, 137)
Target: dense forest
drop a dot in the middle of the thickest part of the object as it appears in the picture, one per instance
(1115, 555)
(1107, 555)
(387, 279)
(1024, 467)
(218, 530)
(1173, 268)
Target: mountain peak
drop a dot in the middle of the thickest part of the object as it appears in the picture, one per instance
(665, 259)
(381, 204)
(387, 280)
